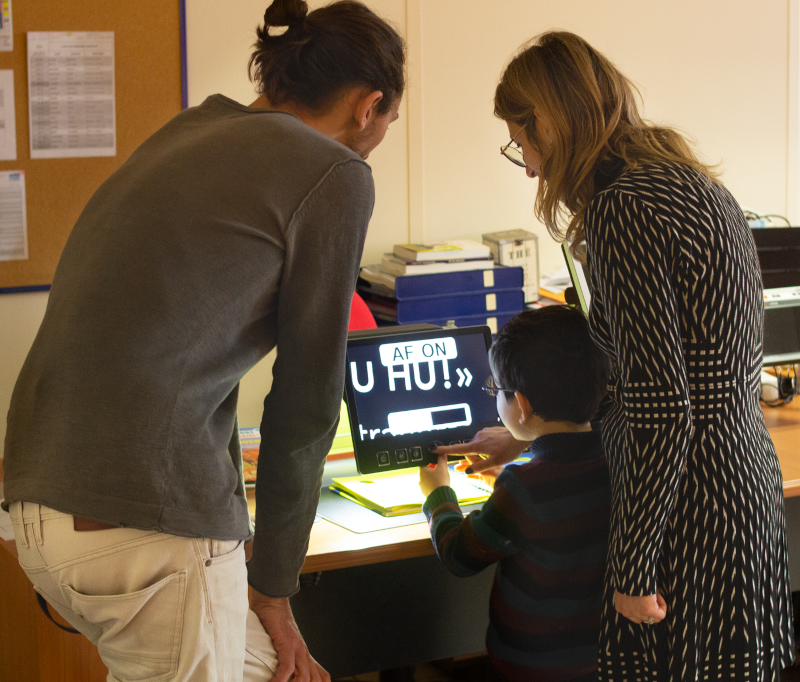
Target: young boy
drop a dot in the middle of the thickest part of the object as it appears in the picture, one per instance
(546, 523)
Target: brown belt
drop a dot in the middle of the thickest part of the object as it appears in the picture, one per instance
(80, 524)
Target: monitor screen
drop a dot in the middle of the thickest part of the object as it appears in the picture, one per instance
(407, 389)
(778, 250)
(782, 326)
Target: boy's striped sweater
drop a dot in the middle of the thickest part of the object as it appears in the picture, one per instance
(546, 525)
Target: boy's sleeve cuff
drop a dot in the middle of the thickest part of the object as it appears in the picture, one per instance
(439, 496)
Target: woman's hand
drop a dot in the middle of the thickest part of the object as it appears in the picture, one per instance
(494, 441)
(431, 478)
(648, 610)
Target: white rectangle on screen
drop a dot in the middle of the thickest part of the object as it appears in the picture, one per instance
(429, 419)
(418, 351)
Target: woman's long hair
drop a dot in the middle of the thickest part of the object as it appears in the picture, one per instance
(590, 110)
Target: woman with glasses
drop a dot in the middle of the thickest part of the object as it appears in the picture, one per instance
(697, 583)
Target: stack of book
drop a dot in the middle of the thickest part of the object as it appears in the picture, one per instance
(467, 288)
(429, 259)
(250, 441)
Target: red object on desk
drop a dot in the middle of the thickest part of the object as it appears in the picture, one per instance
(360, 315)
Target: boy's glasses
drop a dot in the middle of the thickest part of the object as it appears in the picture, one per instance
(492, 388)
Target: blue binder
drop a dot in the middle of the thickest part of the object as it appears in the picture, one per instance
(492, 302)
(445, 283)
(469, 297)
(491, 320)
(411, 311)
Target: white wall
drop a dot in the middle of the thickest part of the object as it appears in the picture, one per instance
(699, 66)
(718, 69)
(20, 317)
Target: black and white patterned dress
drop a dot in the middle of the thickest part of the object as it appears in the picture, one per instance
(697, 491)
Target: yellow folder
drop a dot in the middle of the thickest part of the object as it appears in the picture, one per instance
(397, 492)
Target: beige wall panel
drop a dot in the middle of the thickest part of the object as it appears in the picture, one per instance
(20, 317)
(219, 38)
(717, 69)
(389, 163)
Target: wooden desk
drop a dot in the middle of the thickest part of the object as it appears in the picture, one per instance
(333, 547)
(783, 424)
(33, 650)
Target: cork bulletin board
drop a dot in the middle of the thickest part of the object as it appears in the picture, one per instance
(148, 87)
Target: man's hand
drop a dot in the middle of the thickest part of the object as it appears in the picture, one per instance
(494, 441)
(430, 479)
(294, 660)
(641, 609)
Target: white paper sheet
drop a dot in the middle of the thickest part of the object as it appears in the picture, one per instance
(6, 30)
(556, 282)
(8, 119)
(13, 216)
(72, 106)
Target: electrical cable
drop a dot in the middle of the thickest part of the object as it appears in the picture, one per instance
(786, 388)
(751, 216)
(780, 217)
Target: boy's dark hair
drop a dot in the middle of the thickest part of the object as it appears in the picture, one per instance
(342, 45)
(549, 357)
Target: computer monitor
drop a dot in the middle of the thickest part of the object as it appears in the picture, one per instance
(778, 252)
(782, 328)
(409, 386)
(579, 277)
(779, 256)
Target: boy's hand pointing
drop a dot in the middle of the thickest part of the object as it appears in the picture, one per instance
(431, 477)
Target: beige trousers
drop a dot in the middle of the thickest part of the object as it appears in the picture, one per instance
(157, 606)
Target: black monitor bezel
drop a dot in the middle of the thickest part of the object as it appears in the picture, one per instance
(366, 452)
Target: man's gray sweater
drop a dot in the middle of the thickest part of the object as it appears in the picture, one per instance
(229, 232)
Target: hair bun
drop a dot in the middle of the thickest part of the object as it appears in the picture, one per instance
(285, 13)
